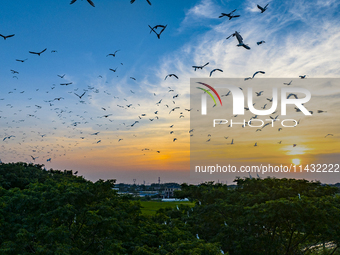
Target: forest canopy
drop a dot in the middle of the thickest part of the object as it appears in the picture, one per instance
(57, 212)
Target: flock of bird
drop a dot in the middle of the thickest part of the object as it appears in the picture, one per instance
(49, 143)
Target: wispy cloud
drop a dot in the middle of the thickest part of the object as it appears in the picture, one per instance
(199, 14)
(293, 45)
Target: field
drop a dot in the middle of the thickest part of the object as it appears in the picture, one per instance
(151, 207)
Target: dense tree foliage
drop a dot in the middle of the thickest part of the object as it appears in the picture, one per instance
(56, 212)
(265, 216)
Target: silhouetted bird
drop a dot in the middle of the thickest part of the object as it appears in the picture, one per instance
(262, 8)
(239, 39)
(200, 67)
(38, 53)
(6, 36)
(155, 27)
(80, 95)
(229, 15)
(112, 54)
(132, 1)
(22, 61)
(89, 1)
(285, 83)
(214, 71)
(291, 94)
(170, 75)
(254, 75)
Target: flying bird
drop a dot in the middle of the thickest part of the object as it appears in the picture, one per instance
(262, 8)
(132, 1)
(6, 36)
(22, 61)
(328, 135)
(239, 39)
(291, 94)
(303, 76)
(134, 123)
(66, 84)
(155, 27)
(13, 71)
(170, 75)
(89, 1)
(200, 67)
(113, 70)
(8, 137)
(229, 15)
(249, 78)
(260, 42)
(38, 53)
(34, 158)
(174, 109)
(80, 95)
(214, 71)
(285, 83)
(112, 54)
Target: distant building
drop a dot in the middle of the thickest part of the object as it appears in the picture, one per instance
(169, 191)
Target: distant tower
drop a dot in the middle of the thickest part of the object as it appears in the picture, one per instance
(144, 182)
(159, 180)
(134, 181)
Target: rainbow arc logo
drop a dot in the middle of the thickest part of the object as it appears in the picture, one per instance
(208, 92)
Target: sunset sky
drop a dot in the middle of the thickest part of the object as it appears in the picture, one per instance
(301, 139)
(45, 120)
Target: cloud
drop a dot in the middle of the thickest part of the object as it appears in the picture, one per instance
(299, 40)
(198, 14)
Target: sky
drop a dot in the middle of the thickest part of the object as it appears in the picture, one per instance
(97, 134)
